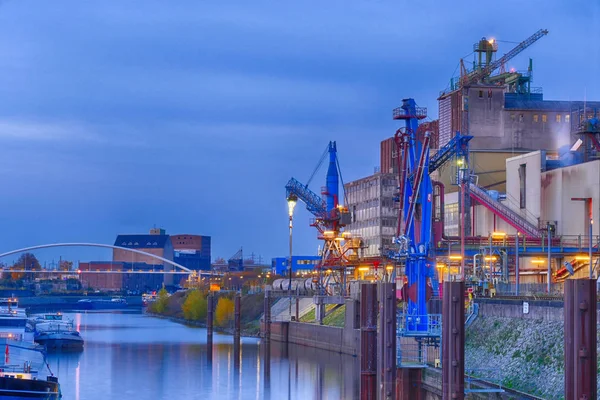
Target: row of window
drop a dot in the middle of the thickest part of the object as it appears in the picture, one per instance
(536, 118)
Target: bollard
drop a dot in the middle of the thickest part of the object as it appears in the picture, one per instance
(453, 341)
(209, 325)
(237, 307)
(267, 316)
(581, 353)
(387, 340)
(368, 341)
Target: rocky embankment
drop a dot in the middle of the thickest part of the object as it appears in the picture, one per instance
(526, 355)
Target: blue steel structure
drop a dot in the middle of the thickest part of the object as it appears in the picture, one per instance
(339, 251)
(414, 238)
(414, 235)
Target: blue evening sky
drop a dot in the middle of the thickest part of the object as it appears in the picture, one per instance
(192, 115)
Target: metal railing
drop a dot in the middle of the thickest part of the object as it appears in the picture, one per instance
(399, 112)
(482, 381)
(418, 325)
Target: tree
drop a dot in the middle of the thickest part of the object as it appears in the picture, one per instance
(27, 262)
(195, 306)
(160, 305)
(224, 312)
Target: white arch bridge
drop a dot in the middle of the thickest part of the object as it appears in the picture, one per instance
(178, 268)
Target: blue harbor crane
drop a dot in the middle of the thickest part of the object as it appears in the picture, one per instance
(339, 251)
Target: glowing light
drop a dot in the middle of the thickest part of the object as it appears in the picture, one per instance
(492, 258)
(389, 268)
(498, 234)
(582, 258)
(363, 269)
(491, 41)
(292, 200)
(440, 266)
(455, 257)
(538, 261)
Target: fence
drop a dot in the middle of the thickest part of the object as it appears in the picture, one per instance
(529, 289)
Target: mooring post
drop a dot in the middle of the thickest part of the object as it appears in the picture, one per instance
(453, 341)
(267, 316)
(237, 309)
(368, 341)
(209, 324)
(581, 353)
(387, 341)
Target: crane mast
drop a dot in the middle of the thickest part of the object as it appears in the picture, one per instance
(340, 251)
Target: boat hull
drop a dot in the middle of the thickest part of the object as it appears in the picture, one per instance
(101, 305)
(22, 389)
(60, 341)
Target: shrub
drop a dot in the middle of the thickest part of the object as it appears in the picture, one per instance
(160, 305)
(195, 306)
(224, 312)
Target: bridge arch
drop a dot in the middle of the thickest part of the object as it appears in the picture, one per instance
(109, 246)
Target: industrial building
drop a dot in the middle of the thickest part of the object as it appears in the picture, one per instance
(192, 251)
(157, 243)
(373, 214)
(300, 264)
(117, 282)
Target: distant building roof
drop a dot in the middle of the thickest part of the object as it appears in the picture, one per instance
(142, 241)
(524, 103)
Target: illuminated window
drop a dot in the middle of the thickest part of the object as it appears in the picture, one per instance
(535, 118)
(567, 118)
(544, 118)
(557, 117)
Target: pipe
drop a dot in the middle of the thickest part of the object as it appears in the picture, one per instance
(549, 256)
(517, 277)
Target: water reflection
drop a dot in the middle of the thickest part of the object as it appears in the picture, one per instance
(131, 356)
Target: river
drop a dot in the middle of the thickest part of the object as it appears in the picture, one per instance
(137, 357)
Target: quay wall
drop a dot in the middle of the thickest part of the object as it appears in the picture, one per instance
(331, 338)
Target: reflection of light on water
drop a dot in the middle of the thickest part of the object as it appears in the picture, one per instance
(78, 322)
(239, 361)
(229, 375)
(77, 382)
(258, 375)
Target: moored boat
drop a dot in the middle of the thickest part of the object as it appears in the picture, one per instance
(116, 303)
(24, 366)
(56, 333)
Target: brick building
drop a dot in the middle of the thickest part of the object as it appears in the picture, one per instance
(157, 243)
(192, 251)
(101, 281)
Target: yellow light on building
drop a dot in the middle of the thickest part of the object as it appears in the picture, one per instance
(440, 266)
(488, 258)
(582, 258)
(363, 269)
(498, 234)
(455, 257)
(389, 268)
(538, 261)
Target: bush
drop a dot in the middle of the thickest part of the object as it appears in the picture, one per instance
(224, 312)
(195, 306)
(160, 305)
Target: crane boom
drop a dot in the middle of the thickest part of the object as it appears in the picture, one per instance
(314, 203)
(478, 75)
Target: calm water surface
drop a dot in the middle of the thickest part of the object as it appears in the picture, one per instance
(133, 356)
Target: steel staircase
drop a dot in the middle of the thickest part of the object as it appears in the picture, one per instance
(511, 217)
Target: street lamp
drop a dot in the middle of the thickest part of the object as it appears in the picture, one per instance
(292, 200)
